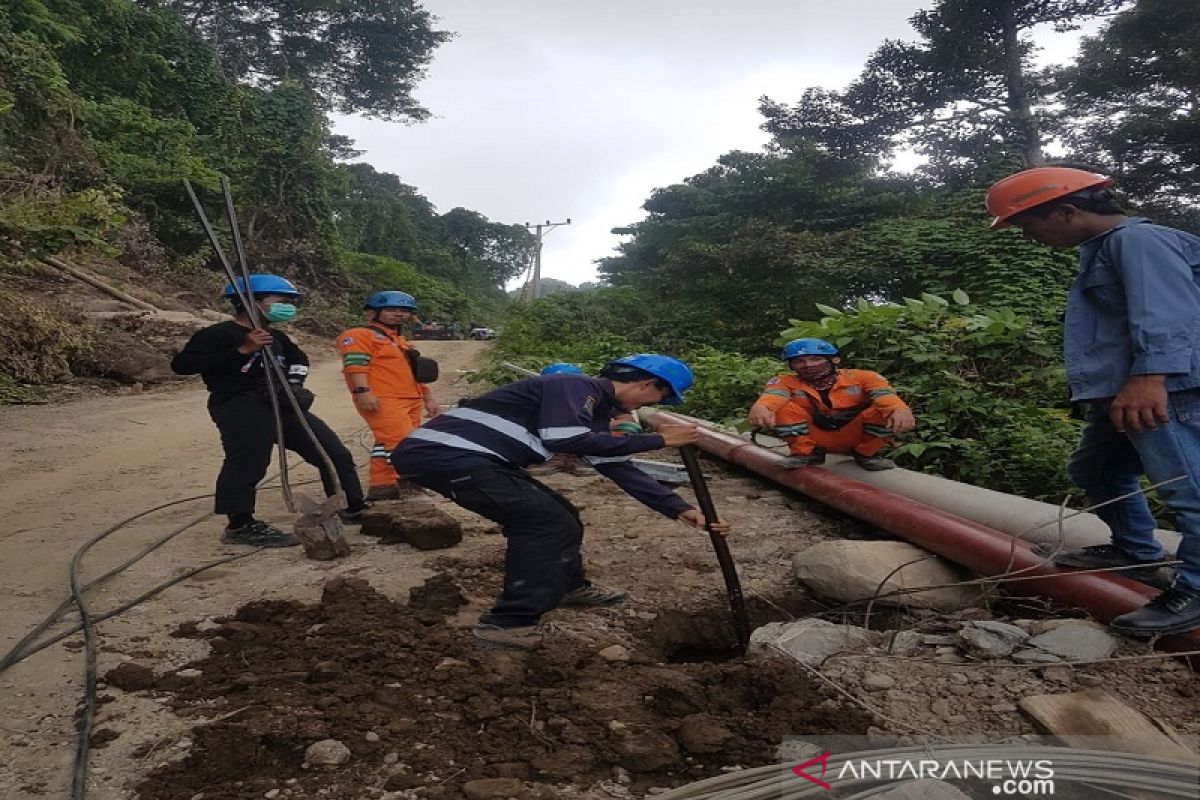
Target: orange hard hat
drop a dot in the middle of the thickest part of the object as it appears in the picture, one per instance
(1032, 187)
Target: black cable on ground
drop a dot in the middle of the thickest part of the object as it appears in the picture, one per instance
(141, 598)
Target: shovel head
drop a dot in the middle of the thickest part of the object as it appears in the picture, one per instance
(319, 529)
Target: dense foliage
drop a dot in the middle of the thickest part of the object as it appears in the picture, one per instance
(106, 106)
(816, 236)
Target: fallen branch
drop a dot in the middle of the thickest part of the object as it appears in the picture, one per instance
(92, 280)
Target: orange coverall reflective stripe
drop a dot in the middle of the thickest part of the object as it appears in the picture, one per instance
(792, 399)
(380, 355)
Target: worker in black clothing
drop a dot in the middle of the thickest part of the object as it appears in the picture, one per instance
(229, 357)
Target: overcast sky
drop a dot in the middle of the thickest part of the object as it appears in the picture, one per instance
(548, 109)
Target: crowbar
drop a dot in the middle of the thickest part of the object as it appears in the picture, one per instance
(733, 586)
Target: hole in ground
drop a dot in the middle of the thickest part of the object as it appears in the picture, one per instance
(706, 635)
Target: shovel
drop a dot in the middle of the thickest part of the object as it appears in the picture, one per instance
(733, 586)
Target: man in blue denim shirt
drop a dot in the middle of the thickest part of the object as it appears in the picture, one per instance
(1132, 351)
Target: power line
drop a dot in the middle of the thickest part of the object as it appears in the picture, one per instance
(539, 231)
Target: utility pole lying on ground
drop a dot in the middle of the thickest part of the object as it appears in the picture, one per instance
(540, 230)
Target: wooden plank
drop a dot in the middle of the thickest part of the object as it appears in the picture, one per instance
(1096, 720)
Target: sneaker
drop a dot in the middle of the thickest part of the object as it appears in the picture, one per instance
(1107, 556)
(387, 492)
(592, 595)
(494, 637)
(258, 534)
(874, 463)
(813, 459)
(353, 514)
(1177, 610)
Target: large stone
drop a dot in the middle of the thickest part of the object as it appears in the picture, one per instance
(809, 641)
(327, 753)
(854, 570)
(414, 521)
(985, 639)
(1076, 640)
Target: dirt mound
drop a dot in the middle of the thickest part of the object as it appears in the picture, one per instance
(421, 709)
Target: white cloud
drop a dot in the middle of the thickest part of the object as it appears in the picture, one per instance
(547, 109)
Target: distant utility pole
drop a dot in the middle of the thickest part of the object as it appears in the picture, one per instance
(540, 230)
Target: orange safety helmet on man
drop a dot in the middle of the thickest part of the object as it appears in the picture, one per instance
(1032, 187)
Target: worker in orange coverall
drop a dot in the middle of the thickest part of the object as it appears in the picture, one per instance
(821, 409)
(379, 373)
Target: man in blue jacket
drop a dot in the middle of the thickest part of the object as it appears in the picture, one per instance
(1132, 352)
(475, 454)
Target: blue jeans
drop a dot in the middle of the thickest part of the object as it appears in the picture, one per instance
(1108, 464)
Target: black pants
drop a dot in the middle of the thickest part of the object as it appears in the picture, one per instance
(248, 435)
(544, 533)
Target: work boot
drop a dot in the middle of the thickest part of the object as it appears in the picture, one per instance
(813, 459)
(494, 637)
(874, 463)
(388, 491)
(1177, 610)
(592, 595)
(353, 514)
(1105, 556)
(258, 534)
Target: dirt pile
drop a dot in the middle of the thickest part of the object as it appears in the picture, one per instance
(423, 712)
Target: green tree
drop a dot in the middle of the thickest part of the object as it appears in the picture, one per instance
(1134, 99)
(363, 57)
(965, 87)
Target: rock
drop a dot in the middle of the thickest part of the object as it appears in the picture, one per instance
(371, 736)
(878, 682)
(131, 677)
(125, 358)
(1059, 674)
(399, 781)
(188, 674)
(922, 790)
(765, 552)
(905, 643)
(416, 521)
(809, 641)
(645, 750)
(1039, 626)
(700, 733)
(493, 789)
(327, 753)
(1014, 632)
(1033, 656)
(1076, 640)
(271, 794)
(990, 639)
(853, 570)
(614, 654)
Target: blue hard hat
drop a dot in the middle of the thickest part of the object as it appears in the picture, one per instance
(808, 347)
(560, 368)
(391, 300)
(263, 283)
(670, 370)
